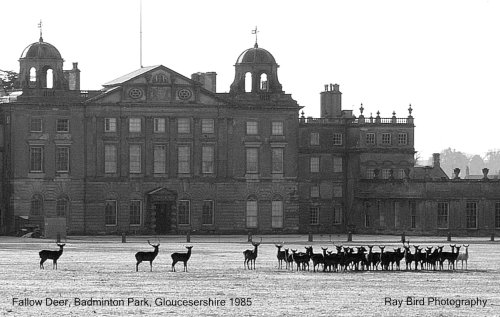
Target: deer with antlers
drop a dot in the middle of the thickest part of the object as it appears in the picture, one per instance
(251, 255)
(181, 257)
(147, 256)
(52, 255)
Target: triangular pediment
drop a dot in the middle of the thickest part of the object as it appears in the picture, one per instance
(162, 191)
(156, 84)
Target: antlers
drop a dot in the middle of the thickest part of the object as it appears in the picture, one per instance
(154, 246)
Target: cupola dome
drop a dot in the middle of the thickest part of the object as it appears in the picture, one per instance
(256, 71)
(41, 50)
(256, 55)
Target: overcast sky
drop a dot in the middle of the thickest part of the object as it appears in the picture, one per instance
(442, 57)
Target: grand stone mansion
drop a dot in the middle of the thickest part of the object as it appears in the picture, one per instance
(157, 152)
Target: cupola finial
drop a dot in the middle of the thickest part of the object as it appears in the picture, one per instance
(40, 27)
(255, 31)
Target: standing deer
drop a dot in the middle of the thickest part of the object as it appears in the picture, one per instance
(251, 255)
(147, 256)
(281, 255)
(181, 257)
(289, 259)
(464, 256)
(53, 255)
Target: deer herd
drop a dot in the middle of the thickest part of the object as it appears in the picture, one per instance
(343, 258)
(361, 258)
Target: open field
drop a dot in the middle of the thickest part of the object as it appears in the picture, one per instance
(104, 268)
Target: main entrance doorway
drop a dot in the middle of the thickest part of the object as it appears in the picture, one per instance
(162, 208)
(163, 216)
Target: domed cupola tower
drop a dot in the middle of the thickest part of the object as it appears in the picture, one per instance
(41, 66)
(256, 71)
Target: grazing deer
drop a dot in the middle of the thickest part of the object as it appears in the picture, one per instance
(53, 255)
(147, 256)
(251, 255)
(281, 255)
(181, 257)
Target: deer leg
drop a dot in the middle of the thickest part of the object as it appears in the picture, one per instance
(41, 263)
(151, 266)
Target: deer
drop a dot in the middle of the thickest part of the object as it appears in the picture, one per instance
(281, 255)
(147, 256)
(409, 258)
(373, 258)
(181, 257)
(317, 259)
(454, 257)
(251, 255)
(464, 256)
(289, 259)
(52, 255)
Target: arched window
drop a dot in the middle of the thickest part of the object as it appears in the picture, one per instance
(49, 78)
(263, 82)
(36, 205)
(248, 82)
(32, 77)
(277, 212)
(251, 212)
(62, 207)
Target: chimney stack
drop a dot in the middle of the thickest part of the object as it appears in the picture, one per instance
(331, 101)
(207, 80)
(436, 161)
(73, 77)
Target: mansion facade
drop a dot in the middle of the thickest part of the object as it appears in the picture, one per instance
(156, 152)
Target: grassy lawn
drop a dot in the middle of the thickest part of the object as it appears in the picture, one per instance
(103, 269)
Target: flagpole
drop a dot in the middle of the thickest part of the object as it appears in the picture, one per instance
(140, 33)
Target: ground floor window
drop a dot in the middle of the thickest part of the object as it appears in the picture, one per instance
(183, 211)
(367, 221)
(251, 213)
(110, 213)
(442, 215)
(497, 214)
(62, 206)
(135, 212)
(207, 212)
(314, 215)
(395, 209)
(471, 214)
(337, 215)
(381, 214)
(36, 205)
(413, 214)
(277, 214)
